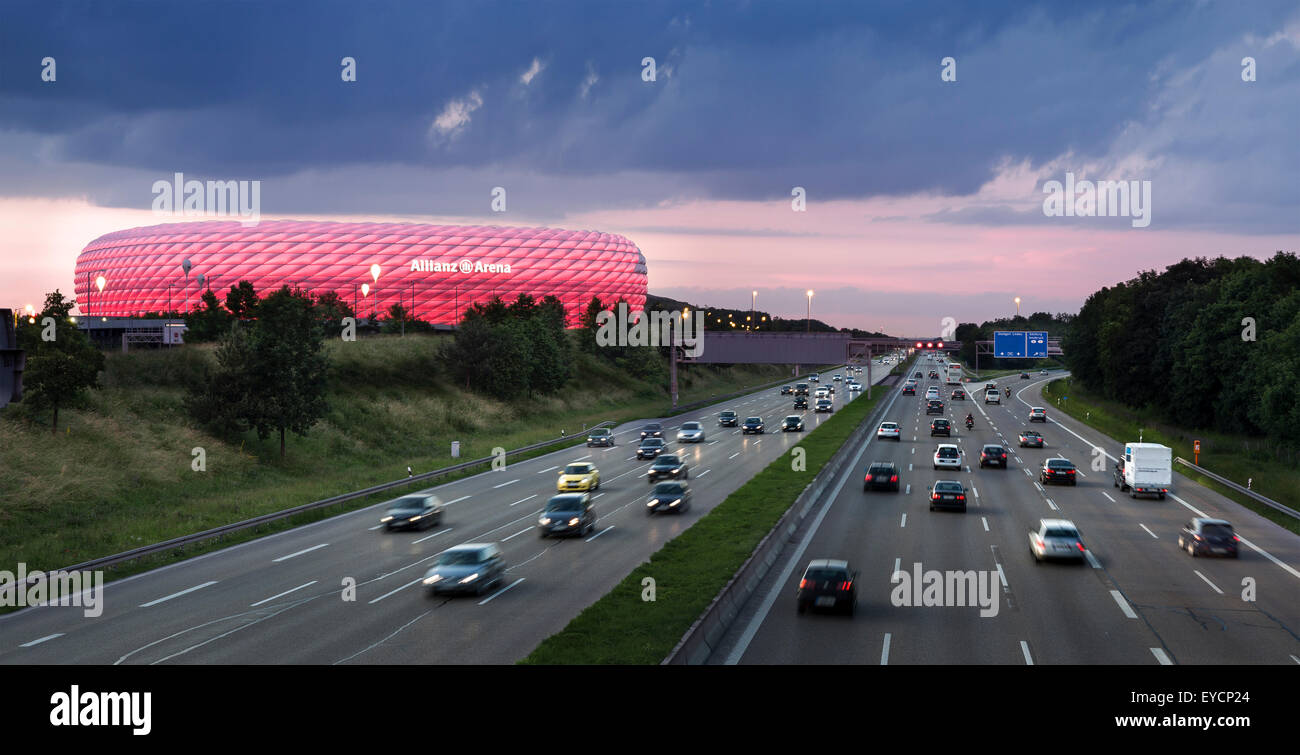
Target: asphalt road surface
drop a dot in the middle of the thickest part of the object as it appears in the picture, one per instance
(1137, 599)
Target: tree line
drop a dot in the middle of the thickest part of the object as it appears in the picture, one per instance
(1208, 343)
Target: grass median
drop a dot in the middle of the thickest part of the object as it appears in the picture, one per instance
(1236, 457)
(690, 570)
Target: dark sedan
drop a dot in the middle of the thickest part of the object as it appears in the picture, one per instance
(1208, 537)
(934, 406)
(728, 419)
(752, 425)
(473, 567)
(941, 427)
(793, 423)
(567, 514)
(652, 430)
(881, 475)
(650, 448)
(413, 511)
(1058, 470)
(669, 496)
(801, 402)
(828, 583)
(786, 390)
(993, 454)
(668, 467)
(600, 437)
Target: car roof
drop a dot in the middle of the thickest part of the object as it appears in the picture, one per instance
(1057, 523)
(470, 547)
(993, 445)
(828, 563)
(1204, 521)
(947, 445)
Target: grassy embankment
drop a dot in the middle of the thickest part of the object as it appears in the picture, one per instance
(688, 572)
(1235, 457)
(118, 473)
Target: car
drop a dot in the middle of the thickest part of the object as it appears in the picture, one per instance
(691, 432)
(652, 430)
(918, 375)
(752, 425)
(793, 423)
(830, 388)
(1042, 372)
(836, 378)
(472, 567)
(801, 402)
(1031, 439)
(415, 511)
(821, 394)
(814, 378)
(1058, 469)
(881, 475)
(1037, 414)
(824, 405)
(992, 454)
(909, 390)
(947, 456)
(668, 467)
(801, 389)
(578, 476)
(932, 392)
(889, 430)
(728, 419)
(934, 374)
(934, 406)
(827, 583)
(855, 387)
(990, 386)
(947, 494)
(1024, 376)
(1204, 536)
(1056, 538)
(567, 514)
(940, 426)
(992, 397)
(650, 448)
(958, 395)
(669, 496)
(601, 436)
(786, 390)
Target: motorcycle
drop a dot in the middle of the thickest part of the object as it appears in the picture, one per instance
(969, 423)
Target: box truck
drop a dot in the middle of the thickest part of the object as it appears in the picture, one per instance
(1145, 469)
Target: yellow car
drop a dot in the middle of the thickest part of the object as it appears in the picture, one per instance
(579, 475)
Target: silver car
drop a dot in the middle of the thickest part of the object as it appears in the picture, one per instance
(691, 432)
(1056, 538)
(947, 456)
(470, 568)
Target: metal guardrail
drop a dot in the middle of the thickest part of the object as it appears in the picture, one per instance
(707, 632)
(1239, 488)
(166, 545)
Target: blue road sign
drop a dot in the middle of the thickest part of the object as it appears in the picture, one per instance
(1009, 344)
(1036, 344)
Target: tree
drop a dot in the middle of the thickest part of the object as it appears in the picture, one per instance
(208, 320)
(220, 400)
(61, 361)
(241, 301)
(330, 308)
(289, 366)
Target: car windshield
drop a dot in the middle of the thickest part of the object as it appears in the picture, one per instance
(947, 487)
(667, 461)
(1217, 530)
(825, 575)
(652, 442)
(409, 502)
(792, 420)
(889, 426)
(653, 427)
(577, 469)
(1062, 532)
(668, 488)
(599, 432)
(755, 420)
(940, 423)
(1030, 434)
(564, 504)
(1060, 464)
(691, 426)
(460, 558)
(728, 414)
(881, 469)
(948, 453)
(993, 449)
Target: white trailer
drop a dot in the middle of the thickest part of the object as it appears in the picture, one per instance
(952, 374)
(1145, 469)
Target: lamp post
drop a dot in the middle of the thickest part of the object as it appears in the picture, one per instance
(100, 282)
(808, 318)
(1017, 306)
(753, 299)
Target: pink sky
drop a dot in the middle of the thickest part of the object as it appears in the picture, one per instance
(873, 263)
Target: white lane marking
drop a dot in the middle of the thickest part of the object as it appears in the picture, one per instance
(1092, 560)
(60, 634)
(1297, 660)
(1018, 461)
(1208, 582)
(380, 642)
(701, 474)
(1002, 575)
(598, 534)
(1258, 549)
(1040, 487)
(501, 591)
(1160, 656)
(377, 526)
(898, 564)
(281, 595)
(594, 497)
(177, 594)
(547, 469)
(734, 455)
(975, 490)
(502, 485)
(1024, 648)
(299, 553)
(909, 489)
(986, 523)
(455, 500)
(394, 592)
(1081, 474)
(904, 522)
(884, 651)
(1149, 532)
(583, 458)
(1053, 505)
(1112, 500)
(913, 450)
(517, 534)
(1028, 473)
(430, 537)
(521, 500)
(909, 467)
(1123, 604)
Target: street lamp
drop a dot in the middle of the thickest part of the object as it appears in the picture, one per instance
(808, 319)
(100, 282)
(1017, 306)
(753, 299)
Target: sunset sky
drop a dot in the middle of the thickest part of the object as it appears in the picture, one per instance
(918, 190)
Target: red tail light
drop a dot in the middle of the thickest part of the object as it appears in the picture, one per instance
(1080, 547)
(1236, 539)
(803, 584)
(934, 497)
(961, 497)
(1069, 471)
(893, 478)
(845, 585)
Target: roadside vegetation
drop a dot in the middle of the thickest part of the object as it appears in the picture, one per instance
(1236, 457)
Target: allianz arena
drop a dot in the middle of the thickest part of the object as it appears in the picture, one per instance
(439, 270)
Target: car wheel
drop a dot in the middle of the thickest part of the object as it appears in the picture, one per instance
(1073, 483)
(932, 508)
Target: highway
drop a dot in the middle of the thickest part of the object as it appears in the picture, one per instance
(1137, 599)
(281, 599)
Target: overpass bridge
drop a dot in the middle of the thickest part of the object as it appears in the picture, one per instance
(801, 348)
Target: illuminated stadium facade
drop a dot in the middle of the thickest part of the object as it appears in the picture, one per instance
(440, 270)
